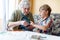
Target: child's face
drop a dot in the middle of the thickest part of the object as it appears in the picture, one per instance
(43, 13)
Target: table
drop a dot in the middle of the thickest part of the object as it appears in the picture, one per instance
(24, 35)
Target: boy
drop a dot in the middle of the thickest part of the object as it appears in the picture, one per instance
(44, 18)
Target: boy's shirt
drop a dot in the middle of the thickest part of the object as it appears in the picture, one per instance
(43, 22)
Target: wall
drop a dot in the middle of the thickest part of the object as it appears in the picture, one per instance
(54, 4)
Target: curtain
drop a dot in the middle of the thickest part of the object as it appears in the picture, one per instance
(6, 9)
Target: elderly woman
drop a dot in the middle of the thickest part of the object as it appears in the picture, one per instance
(44, 19)
(21, 18)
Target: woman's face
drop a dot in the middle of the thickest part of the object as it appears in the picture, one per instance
(26, 10)
(43, 13)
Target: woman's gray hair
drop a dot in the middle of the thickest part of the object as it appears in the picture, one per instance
(24, 3)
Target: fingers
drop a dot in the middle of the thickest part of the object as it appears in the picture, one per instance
(31, 23)
(24, 23)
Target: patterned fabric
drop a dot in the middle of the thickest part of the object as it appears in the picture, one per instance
(41, 22)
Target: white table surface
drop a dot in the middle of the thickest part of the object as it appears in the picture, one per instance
(25, 35)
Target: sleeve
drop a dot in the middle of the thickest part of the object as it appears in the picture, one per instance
(48, 21)
(16, 16)
(12, 17)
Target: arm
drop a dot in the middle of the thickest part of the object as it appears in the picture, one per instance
(17, 23)
(44, 28)
(15, 19)
(10, 24)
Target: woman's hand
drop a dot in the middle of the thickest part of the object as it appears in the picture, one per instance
(31, 23)
(25, 23)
